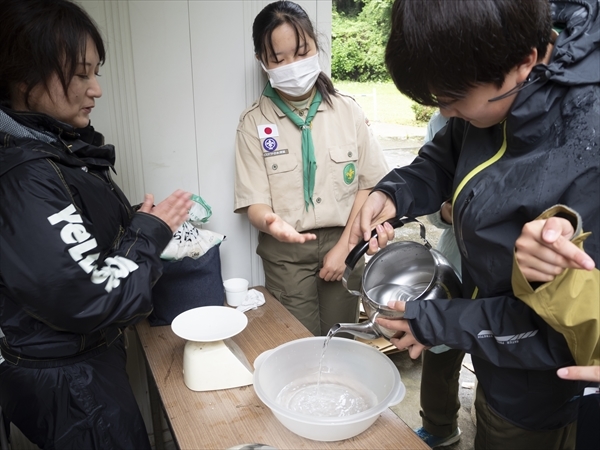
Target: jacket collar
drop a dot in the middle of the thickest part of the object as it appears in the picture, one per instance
(72, 146)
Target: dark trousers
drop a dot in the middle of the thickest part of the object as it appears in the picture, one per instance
(494, 432)
(85, 405)
(439, 391)
(588, 423)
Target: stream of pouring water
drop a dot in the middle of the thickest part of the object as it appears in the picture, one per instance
(330, 334)
(334, 396)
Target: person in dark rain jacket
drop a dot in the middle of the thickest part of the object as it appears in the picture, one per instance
(520, 82)
(77, 262)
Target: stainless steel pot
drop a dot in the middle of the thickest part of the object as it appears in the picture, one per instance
(404, 270)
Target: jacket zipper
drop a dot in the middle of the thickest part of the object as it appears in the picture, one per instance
(458, 232)
(110, 182)
(457, 224)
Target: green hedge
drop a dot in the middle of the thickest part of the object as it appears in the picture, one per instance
(358, 43)
(422, 113)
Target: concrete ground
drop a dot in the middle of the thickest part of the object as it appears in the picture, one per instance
(400, 143)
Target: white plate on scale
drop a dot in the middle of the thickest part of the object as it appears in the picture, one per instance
(209, 323)
(209, 361)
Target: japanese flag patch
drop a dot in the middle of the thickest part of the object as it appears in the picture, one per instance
(267, 131)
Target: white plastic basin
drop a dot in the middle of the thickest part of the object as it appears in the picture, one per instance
(348, 360)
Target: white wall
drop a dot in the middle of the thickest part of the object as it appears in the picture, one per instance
(178, 75)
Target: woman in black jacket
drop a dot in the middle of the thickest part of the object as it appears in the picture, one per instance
(78, 262)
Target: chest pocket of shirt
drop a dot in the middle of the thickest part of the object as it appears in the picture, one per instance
(285, 182)
(344, 170)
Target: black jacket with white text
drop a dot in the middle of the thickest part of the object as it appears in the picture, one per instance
(77, 264)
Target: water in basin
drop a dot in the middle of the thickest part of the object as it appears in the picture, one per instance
(331, 398)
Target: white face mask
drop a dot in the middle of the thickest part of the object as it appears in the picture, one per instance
(297, 78)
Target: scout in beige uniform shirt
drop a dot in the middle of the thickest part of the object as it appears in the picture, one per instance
(269, 171)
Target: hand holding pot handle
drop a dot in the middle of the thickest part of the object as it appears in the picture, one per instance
(361, 248)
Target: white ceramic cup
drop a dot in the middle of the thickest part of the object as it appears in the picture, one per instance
(235, 290)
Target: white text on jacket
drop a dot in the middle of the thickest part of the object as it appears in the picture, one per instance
(115, 268)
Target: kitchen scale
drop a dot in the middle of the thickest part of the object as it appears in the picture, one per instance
(211, 361)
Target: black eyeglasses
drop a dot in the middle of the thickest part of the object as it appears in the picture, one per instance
(518, 88)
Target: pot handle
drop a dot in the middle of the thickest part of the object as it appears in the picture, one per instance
(361, 248)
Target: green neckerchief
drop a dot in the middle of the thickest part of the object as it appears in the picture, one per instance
(309, 163)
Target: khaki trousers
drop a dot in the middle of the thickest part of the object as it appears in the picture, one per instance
(292, 277)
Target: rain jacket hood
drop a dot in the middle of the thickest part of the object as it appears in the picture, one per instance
(576, 55)
(575, 61)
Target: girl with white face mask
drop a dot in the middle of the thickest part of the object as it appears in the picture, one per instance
(296, 79)
(305, 162)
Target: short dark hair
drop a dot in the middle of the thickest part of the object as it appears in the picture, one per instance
(446, 47)
(40, 38)
(278, 13)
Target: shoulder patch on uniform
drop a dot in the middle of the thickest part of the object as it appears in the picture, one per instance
(270, 144)
(268, 130)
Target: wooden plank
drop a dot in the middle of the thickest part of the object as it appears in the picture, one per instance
(225, 418)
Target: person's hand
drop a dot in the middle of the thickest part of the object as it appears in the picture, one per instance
(377, 209)
(404, 338)
(334, 263)
(583, 373)
(446, 211)
(544, 250)
(284, 232)
(173, 210)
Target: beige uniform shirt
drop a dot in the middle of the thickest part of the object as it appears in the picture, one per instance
(268, 159)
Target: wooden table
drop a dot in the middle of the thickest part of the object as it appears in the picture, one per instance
(225, 418)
